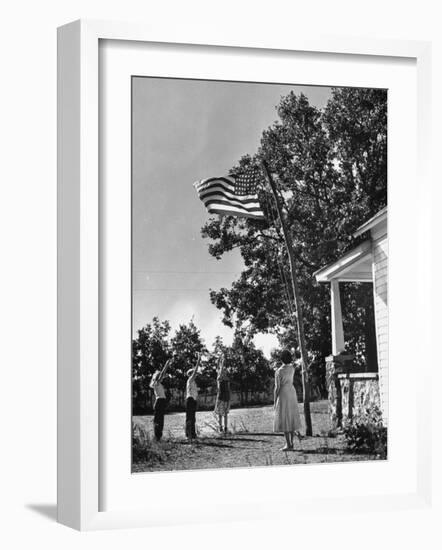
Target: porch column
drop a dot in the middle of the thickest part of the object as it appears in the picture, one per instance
(336, 319)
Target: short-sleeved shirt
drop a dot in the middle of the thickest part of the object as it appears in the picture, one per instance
(158, 388)
(191, 389)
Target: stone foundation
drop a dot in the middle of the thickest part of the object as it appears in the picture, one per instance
(350, 393)
(360, 392)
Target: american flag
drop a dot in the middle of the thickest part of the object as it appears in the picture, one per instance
(232, 195)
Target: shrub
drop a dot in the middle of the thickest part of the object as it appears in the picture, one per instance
(367, 434)
(140, 443)
(144, 449)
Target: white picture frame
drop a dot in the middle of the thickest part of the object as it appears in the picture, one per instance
(79, 265)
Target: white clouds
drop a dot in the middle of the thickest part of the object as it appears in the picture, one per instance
(179, 307)
(209, 322)
(266, 342)
(180, 313)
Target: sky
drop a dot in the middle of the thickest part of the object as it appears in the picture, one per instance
(184, 131)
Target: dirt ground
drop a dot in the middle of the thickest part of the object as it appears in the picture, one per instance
(250, 442)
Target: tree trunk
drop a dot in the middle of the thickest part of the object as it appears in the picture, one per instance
(298, 306)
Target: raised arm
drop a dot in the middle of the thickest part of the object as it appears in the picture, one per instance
(163, 372)
(195, 370)
(220, 366)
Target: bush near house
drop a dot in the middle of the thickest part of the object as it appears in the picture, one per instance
(367, 434)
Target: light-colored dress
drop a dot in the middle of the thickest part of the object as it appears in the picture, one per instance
(287, 418)
(222, 404)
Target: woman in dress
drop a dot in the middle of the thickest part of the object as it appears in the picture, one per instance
(287, 418)
(222, 404)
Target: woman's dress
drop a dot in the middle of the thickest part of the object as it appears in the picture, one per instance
(287, 418)
(222, 404)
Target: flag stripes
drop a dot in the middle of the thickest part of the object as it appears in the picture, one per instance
(231, 195)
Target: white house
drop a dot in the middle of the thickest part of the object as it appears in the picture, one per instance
(367, 262)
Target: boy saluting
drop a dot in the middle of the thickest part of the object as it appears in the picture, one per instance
(160, 400)
(191, 400)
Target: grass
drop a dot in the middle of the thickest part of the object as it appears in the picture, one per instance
(249, 443)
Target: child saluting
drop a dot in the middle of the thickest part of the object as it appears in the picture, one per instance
(160, 400)
(192, 400)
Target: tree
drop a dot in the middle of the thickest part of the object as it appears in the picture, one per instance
(207, 377)
(154, 344)
(185, 346)
(331, 168)
(249, 369)
(150, 350)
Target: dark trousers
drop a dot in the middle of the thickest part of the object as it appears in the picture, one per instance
(158, 417)
(190, 417)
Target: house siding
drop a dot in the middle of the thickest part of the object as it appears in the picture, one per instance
(380, 289)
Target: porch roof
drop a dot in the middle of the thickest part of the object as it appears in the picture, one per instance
(354, 266)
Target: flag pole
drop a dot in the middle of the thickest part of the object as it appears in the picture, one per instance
(298, 305)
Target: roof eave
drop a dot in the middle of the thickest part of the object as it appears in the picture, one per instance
(344, 263)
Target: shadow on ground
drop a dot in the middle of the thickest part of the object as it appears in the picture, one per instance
(49, 511)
